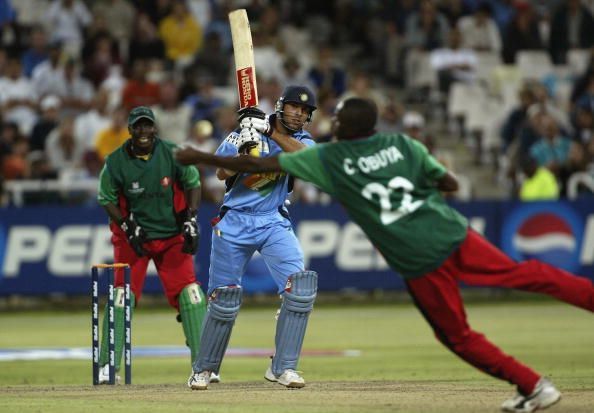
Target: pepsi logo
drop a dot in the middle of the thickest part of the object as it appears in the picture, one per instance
(546, 232)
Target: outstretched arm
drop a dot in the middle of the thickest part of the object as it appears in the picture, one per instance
(448, 182)
(242, 163)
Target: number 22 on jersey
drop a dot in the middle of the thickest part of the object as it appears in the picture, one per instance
(390, 213)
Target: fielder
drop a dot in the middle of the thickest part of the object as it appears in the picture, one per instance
(390, 186)
(152, 201)
(253, 218)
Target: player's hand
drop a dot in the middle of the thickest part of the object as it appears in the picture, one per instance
(248, 137)
(191, 233)
(186, 155)
(261, 125)
(135, 234)
(250, 112)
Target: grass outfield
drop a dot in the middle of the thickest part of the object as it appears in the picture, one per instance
(402, 368)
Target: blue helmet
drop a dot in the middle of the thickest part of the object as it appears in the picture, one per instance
(295, 94)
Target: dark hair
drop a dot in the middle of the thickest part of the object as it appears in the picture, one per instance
(358, 117)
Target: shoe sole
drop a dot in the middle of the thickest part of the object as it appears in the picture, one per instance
(196, 387)
(292, 385)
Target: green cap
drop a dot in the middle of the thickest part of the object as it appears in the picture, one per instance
(138, 113)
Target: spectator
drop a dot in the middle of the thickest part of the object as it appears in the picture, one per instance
(201, 137)
(213, 60)
(584, 124)
(138, 90)
(38, 51)
(18, 99)
(76, 92)
(99, 57)
(517, 118)
(145, 43)
(15, 165)
(455, 10)
(292, 73)
(66, 20)
(173, 118)
(9, 133)
(522, 33)
(48, 75)
(413, 125)
(426, 29)
(50, 113)
(326, 75)
(119, 17)
(479, 31)
(453, 63)
(539, 183)
(361, 86)
(390, 119)
(181, 34)
(552, 148)
(88, 124)
(62, 150)
(572, 28)
(111, 138)
(204, 102)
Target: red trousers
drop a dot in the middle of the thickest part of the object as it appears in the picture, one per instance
(175, 269)
(477, 262)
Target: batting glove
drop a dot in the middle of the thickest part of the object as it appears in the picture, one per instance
(191, 233)
(261, 125)
(135, 234)
(250, 112)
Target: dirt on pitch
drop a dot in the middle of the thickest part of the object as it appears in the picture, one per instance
(250, 397)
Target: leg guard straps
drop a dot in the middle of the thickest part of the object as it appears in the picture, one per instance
(223, 307)
(298, 301)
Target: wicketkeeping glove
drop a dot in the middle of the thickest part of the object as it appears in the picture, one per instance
(135, 234)
(191, 233)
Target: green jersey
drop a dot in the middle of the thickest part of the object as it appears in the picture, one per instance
(152, 189)
(387, 183)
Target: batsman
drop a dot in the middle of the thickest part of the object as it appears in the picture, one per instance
(253, 218)
(152, 202)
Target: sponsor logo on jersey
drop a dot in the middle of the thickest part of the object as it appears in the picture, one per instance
(551, 233)
(136, 189)
(165, 181)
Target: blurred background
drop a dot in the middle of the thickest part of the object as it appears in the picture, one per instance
(500, 91)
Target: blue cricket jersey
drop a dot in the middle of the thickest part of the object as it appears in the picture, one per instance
(258, 192)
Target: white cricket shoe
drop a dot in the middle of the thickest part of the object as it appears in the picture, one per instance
(215, 378)
(104, 375)
(199, 381)
(544, 395)
(290, 378)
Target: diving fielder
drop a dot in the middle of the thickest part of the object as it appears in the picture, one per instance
(390, 186)
(253, 218)
(152, 201)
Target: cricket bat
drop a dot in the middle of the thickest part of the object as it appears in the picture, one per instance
(243, 51)
(245, 69)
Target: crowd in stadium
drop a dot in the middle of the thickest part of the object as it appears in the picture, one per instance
(513, 79)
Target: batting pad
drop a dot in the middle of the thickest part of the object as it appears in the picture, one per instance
(119, 314)
(298, 301)
(192, 306)
(223, 306)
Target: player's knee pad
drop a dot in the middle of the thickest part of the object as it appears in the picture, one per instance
(301, 292)
(298, 301)
(223, 307)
